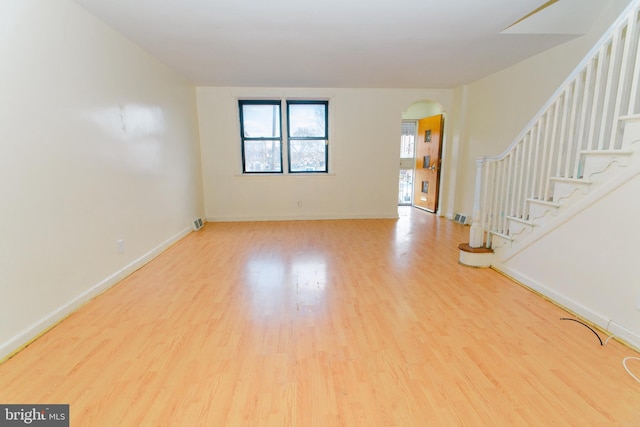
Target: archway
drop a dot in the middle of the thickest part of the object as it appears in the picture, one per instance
(420, 158)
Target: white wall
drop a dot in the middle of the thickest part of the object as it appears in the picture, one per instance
(498, 107)
(99, 143)
(363, 156)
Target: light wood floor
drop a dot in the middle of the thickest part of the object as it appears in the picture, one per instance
(324, 323)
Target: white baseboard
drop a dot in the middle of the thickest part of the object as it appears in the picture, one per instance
(598, 319)
(24, 338)
(624, 334)
(299, 217)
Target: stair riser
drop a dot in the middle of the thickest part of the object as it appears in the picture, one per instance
(539, 212)
(476, 260)
(498, 242)
(602, 167)
(517, 229)
(563, 192)
(631, 137)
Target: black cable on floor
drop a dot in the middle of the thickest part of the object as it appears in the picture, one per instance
(584, 324)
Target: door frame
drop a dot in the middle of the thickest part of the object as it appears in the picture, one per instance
(425, 107)
(409, 163)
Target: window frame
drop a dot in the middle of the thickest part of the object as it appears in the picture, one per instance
(274, 102)
(324, 138)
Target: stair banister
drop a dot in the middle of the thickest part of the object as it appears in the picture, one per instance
(501, 186)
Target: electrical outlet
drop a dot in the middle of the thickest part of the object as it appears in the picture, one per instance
(299, 203)
(120, 244)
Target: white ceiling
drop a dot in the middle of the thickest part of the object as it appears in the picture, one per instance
(343, 43)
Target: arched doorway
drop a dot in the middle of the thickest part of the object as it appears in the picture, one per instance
(421, 155)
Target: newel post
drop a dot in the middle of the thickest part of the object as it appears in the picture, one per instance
(476, 234)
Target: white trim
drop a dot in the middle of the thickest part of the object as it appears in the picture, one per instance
(28, 335)
(300, 217)
(283, 175)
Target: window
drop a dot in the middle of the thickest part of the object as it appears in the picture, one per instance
(407, 140)
(262, 141)
(261, 134)
(307, 131)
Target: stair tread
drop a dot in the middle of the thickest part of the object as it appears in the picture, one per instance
(481, 250)
(578, 181)
(629, 118)
(521, 220)
(608, 152)
(504, 236)
(545, 202)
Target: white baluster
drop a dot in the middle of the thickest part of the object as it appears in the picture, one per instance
(635, 80)
(562, 141)
(623, 81)
(597, 91)
(577, 93)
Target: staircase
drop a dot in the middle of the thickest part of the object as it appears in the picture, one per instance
(582, 144)
(602, 172)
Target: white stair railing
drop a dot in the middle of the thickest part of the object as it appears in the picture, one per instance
(583, 115)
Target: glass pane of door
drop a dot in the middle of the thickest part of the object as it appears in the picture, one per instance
(407, 162)
(406, 187)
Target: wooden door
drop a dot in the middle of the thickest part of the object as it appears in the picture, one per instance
(428, 160)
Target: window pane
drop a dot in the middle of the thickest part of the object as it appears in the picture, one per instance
(406, 187)
(308, 156)
(262, 156)
(261, 120)
(407, 140)
(407, 146)
(307, 120)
